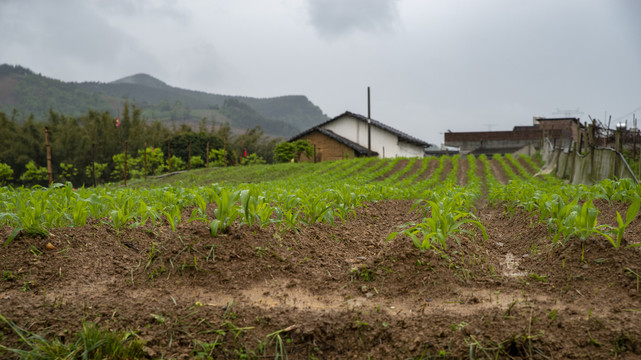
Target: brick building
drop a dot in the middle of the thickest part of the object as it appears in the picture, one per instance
(560, 131)
(346, 136)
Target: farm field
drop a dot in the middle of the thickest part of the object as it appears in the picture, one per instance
(450, 257)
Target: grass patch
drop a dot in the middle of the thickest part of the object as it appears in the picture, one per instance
(89, 343)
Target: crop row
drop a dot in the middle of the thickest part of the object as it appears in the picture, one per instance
(330, 192)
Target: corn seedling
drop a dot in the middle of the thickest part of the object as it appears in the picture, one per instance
(630, 215)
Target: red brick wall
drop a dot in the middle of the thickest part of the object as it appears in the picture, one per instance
(327, 148)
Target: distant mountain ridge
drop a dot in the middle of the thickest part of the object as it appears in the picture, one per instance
(141, 79)
(28, 93)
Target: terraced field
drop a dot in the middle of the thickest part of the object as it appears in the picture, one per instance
(451, 257)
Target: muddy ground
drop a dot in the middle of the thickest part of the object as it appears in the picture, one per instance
(333, 292)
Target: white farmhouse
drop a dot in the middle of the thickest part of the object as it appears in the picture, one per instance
(346, 136)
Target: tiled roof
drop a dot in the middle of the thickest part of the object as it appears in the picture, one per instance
(401, 135)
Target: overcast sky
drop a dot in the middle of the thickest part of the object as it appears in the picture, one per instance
(432, 65)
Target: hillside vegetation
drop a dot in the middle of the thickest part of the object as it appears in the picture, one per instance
(25, 92)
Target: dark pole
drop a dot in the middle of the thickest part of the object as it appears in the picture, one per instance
(169, 153)
(93, 163)
(207, 154)
(126, 143)
(369, 126)
(634, 137)
(49, 169)
(189, 165)
(144, 159)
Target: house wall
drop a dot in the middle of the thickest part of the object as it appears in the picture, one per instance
(327, 148)
(568, 127)
(470, 141)
(384, 143)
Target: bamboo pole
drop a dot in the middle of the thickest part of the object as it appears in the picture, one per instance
(207, 154)
(126, 143)
(169, 153)
(48, 145)
(144, 159)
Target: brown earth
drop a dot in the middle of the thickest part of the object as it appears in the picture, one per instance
(336, 291)
(413, 170)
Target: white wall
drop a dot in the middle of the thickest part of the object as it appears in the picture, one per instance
(384, 143)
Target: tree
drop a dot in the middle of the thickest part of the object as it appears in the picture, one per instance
(6, 174)
(35, 174)
(68, 171)
(97, 168)
(197, 162)
(133, 167)
(177, 164)
(291, 151)
(252, 159)
(218, 158)
(154, 158)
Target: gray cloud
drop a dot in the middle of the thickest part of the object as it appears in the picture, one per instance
(463, 65)
(333, 18)
(67, 37)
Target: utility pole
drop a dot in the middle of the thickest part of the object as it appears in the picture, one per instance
(369, 126)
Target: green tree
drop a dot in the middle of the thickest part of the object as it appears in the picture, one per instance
(133, 170)
(252, 159)
(35, 174)
(6, 174)
(218, 158)
(68, 172)
(197, 162)
(291, 151)
(177, 164)
(98, 168)
(154, 158)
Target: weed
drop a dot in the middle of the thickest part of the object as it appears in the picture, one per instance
(541, 278)
(7, 275)
(205, 350)
(90, 343)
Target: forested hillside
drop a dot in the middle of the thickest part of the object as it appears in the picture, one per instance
(28, 93)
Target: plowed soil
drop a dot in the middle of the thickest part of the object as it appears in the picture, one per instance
(336, 291)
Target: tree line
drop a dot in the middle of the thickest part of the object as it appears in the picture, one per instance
(91, 147)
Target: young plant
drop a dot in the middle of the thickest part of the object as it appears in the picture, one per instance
(630, 215)
(582, 222)
(227, 211)
(445, 221)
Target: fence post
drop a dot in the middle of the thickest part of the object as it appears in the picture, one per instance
(48, 145)
(618, 148)
(590, 149)
(207, 154)
(126, 143)
(169, 153)
(93, 163)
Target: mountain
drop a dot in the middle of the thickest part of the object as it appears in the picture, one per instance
(26, 92)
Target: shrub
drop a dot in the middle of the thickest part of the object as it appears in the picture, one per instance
(6, 174)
